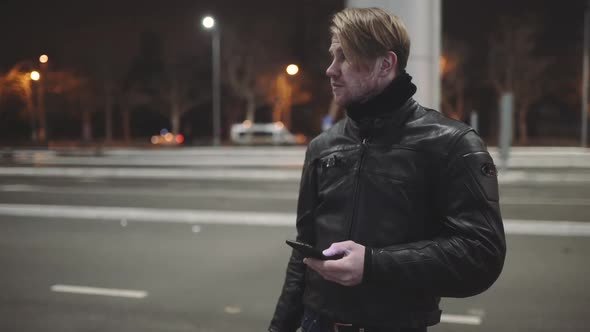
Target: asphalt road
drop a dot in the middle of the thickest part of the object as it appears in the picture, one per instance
(215, 277)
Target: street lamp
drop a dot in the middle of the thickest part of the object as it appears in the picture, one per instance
(43, 60)
(209, 24)
(292, 69)
(35, 76)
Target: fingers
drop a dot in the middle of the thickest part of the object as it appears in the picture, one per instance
(338, 248)
(347, 271)
(330, 272)
(325, 266)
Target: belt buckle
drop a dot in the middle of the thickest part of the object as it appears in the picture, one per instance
(338, 325)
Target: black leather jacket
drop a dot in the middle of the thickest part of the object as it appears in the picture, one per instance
(419, 190)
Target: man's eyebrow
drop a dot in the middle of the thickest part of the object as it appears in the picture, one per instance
(334, 49)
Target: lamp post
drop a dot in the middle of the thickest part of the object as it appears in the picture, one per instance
(33, 76)
(287, 103)
(209, 24)
(43, 59)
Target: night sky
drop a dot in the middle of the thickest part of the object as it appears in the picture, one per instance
(70, 30)
(80, 35)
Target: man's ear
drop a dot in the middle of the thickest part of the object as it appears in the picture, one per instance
(388, 64)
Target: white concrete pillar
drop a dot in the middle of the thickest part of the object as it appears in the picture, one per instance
(423, 20)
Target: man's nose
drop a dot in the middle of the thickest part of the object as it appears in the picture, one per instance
(331, 71)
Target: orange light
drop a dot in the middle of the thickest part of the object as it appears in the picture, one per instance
(292, 69)
(179, 139)
(443, 64)
(279, 125)
(155, 140)
(169, 137)
(35, 76)
(44, 58)
(247, 124)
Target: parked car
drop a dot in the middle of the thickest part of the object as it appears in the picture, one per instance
(263, 133)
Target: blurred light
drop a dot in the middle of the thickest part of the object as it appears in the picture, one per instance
(443, 62)
(155, 139)
(43, 58)
(292, 69)
(179, 139)
(247, 124)
(279, 125)
(169, 137)
(163, 132)
(208, 22)
(233, 310)
(35, 76)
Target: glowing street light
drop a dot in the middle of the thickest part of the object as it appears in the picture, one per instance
(292, 69)
(43, 58)
(208, 22)
(35, 76)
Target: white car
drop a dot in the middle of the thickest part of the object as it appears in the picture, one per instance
(262, 133)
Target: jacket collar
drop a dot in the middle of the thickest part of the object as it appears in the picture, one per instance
(384, 111)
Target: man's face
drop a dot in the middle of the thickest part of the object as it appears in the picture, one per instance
(350, 83)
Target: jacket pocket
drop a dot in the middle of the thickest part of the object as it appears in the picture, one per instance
(332, 170)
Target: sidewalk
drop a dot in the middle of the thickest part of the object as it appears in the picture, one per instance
(529, 157)
(253, 174)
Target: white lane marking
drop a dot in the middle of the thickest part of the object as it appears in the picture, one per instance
(135, 294)
(506, 200)
(511, 226)
(248, 194)
(155, 173)
(150, 214)
(19, 188)
(460, 319)
(546, 227)
(197, 192)
(179, 161)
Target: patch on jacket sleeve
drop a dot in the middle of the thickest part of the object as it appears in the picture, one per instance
(489, 169)
(484, 173)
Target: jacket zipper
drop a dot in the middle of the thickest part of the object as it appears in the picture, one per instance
(356, 189)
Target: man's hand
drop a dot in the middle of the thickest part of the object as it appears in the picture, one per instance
(347, 271)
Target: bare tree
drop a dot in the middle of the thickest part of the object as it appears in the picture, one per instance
(179, 96)
(513, 67)
(247, 71)
(17, 82)
(286, 91)
(453, 78)
(130, 99)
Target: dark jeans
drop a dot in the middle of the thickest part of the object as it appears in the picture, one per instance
(312, 322)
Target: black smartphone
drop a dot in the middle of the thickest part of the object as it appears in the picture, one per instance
(309, 251)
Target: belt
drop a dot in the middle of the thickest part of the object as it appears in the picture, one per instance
(332, 326)
(341, 327)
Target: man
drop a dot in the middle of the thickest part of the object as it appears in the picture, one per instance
(409, 196)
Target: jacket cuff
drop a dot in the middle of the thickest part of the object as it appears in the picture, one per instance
(368, 265)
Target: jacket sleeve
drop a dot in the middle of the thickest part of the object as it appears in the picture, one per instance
(289, 309)
(467, 255)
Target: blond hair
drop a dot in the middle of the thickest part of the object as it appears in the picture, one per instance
(367, 33)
